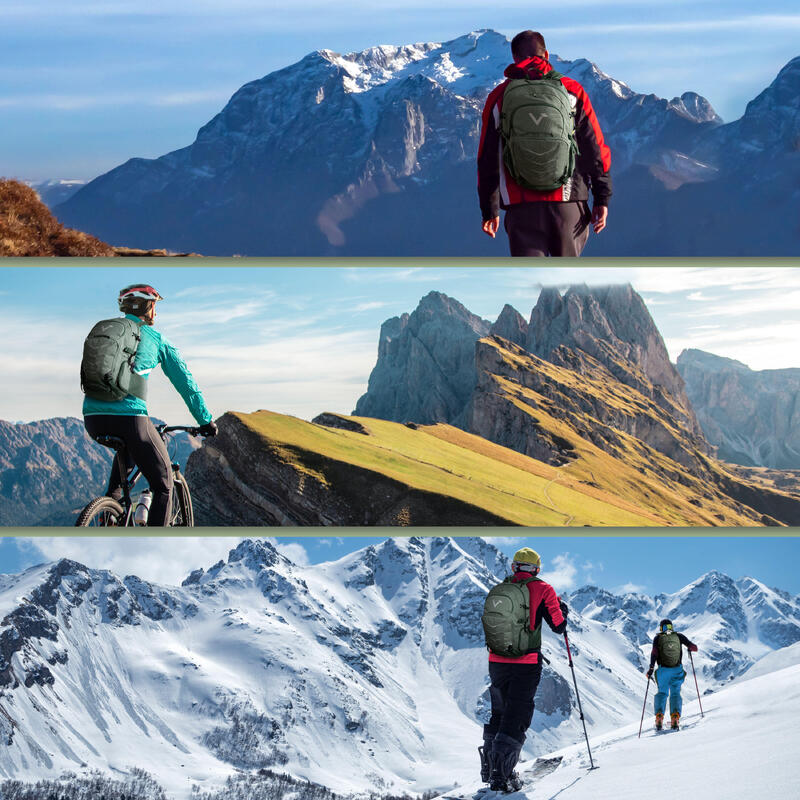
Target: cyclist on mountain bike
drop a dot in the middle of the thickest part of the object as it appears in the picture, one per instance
(128, 419)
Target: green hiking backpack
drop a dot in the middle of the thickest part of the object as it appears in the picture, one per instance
(107, 364)
(537, 124)
(669, 649)
(506, 619)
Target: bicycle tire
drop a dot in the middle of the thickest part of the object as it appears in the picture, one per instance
(102, 512)
(182, 511)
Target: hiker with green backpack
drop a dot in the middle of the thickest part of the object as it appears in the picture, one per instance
(512, 624)
(667, 652)
(118, 356)
(541, 152)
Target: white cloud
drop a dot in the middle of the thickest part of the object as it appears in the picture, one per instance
(629, 588)
(294, 551)
(139, 99)
(563, 573)
(504, 541)
(163, 559)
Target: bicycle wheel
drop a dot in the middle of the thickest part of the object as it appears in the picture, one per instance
(182, 514)
(102, 512)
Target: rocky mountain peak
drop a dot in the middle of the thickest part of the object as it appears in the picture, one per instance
(434, 346)
(511, 325)
(611, 324)
(752, 416)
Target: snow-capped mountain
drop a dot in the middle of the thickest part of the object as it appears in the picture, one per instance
(733, 622)
(55, 191)
(343, 154)
(364, 673)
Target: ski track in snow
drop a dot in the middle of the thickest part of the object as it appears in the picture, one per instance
(746, 746)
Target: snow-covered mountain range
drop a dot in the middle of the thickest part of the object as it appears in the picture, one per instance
(343, 154)
(364, 673)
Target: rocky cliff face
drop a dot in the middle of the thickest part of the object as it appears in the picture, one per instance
(433, 347)
(613, 326)
(244, 478)
(585, 330)
(753, 417)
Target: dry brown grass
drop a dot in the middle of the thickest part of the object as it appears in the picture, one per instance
(27, 228)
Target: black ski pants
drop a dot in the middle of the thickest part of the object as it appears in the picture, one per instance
(144, 448)
(547, 228)
(513, 687)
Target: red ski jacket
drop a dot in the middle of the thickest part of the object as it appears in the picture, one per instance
(544, 605)
(497, 189)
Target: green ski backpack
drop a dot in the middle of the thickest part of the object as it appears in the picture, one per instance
(107, 364)
(669, 649)
(506, 619)
(537, 125)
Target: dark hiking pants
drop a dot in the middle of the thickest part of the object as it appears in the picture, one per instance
(145, 449)
(547, 229)
(512, 691)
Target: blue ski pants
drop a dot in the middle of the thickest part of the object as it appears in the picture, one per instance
(669, 680)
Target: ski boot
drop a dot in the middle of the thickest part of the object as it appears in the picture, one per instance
(485, 753)
(674, 720)
(659, 720)
(503, 759)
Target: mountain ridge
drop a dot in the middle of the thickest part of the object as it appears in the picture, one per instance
(325, 651)
(401, 129)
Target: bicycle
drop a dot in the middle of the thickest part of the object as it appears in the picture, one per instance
(106, 512)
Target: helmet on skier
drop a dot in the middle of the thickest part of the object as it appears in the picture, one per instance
(137, 299)
(665, 625)
(526, 560)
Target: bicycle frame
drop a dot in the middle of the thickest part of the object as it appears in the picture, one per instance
(129, 479)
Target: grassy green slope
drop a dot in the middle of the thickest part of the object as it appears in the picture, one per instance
(446, 461)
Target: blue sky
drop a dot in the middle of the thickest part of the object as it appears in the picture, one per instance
(303, 340)
(647, 564)
(85, 85)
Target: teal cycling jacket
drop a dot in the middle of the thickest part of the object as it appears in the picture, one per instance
(153, 351)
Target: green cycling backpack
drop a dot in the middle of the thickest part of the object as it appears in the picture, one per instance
(537, 125)
(107, 364)
(506, 619)
(669, 649)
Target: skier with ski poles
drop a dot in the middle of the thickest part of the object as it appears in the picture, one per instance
(512, 624)
(667, 652)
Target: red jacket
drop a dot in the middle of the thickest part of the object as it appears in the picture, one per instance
(544, 605)
(497, 189)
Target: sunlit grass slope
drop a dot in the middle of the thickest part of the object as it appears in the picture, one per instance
(448, 462)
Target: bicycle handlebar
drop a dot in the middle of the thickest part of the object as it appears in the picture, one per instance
(192, 430)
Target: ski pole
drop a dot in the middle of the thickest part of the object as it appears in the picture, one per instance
(696, 686)
(577, 695)
(644, 705)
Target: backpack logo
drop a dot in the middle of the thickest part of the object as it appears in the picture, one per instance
(496, 603)
(537, 120)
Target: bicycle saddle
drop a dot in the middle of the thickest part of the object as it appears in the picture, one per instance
(114, 442)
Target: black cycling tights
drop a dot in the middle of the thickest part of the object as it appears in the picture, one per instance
(145, 449)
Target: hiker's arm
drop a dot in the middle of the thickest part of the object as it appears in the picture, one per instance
(653, 653)
(179, 376)
(489, 167)
(595, 157)
(687, 644)
(551, 611)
